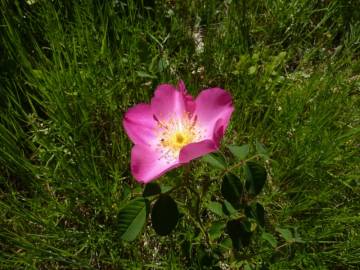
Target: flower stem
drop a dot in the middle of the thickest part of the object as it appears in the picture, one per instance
(236, 165)
(198, 215)
(197, 219)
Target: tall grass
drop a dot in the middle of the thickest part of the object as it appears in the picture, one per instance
(69, 71)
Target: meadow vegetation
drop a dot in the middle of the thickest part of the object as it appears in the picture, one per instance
(69, 70)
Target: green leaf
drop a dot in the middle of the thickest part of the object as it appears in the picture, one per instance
(164, 215)
(216, 230)
(215, 160)
(165, 188)
(239, 152)
(269, 238)
(260, 149)
(286, 234)
(228, 208)
(143, 74)
(257, 212)
(216, 208)
(232, 189)
(38, 74)
(252, 70)
(151, 189)
(226, 244)
(247, 267)
(132, 218)
(239, 234)
(255, 177)
(289, 236)
(162, 65)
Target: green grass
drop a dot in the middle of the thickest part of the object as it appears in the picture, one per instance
(68, 72)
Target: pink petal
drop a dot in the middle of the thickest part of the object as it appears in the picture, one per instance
(168, 102)
(139, 124)
(195, 150)
(213, 110)
(147, 164)
(189, 100)
(219, 130)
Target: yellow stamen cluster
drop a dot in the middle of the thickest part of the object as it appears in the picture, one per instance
(175, 133)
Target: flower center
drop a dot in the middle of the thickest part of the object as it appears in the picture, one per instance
(176, 133)
(178, 139)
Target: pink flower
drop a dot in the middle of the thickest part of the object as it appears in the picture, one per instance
(174, 128)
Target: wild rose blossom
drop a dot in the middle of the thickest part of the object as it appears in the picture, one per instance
(175, 128)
